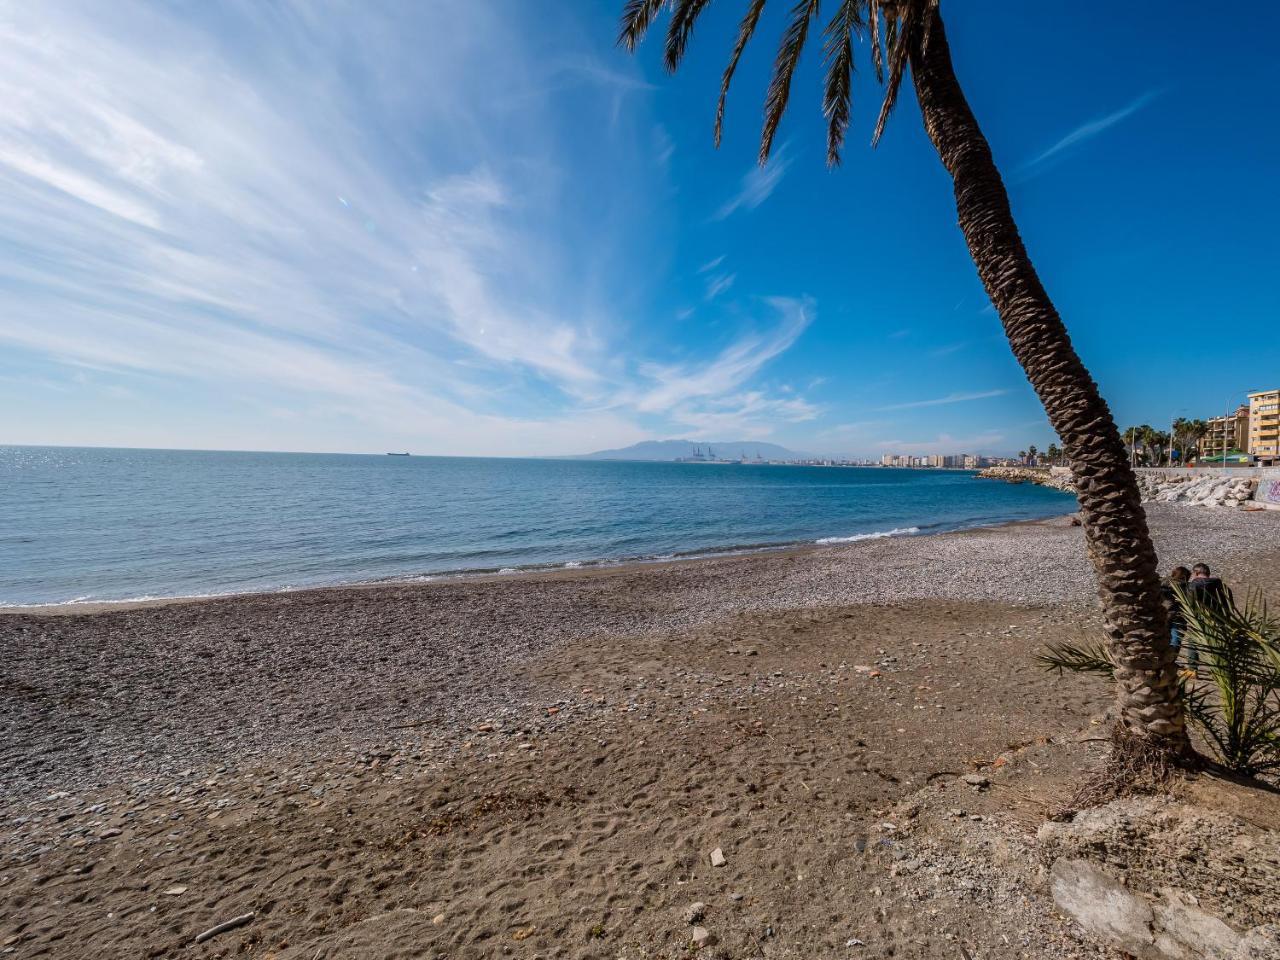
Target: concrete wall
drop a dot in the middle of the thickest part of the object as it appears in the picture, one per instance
(1268, 487)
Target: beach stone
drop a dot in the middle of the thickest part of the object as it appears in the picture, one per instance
(1260, 943)
(695, 912)
(702, 937)
(1102, 907)
(1187, 931)
(976, 780)
(717, 857)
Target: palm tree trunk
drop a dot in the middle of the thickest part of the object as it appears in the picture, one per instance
(1115, 525)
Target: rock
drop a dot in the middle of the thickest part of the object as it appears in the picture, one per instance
(438, 920)
(1102, 907)
(175, 891)
(976, 780)
(1260, 943)
(695, 912)
(717, 857)
(702, 938)
(735, 897)
(1186, 930)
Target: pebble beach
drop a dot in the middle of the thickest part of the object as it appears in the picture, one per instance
(502, 723)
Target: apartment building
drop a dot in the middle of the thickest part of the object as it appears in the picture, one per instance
(1264, 427)
(1231, 430)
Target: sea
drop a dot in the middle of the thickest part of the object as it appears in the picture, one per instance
(81, 525)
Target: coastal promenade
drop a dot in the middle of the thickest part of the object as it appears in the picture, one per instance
(780, 753)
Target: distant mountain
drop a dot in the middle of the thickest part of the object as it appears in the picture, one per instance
(689, 449)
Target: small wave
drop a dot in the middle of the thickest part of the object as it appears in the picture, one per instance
(507, 570)
(573, 564)
(877, 535)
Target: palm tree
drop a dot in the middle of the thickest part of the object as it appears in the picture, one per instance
(910, 33)
(1198, 430)
(1022, 457)
(1053, 453)
(1033, 455)
(1179, 438)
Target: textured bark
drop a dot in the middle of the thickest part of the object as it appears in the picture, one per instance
(1115, 525)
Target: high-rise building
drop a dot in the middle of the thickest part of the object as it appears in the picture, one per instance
(1264, 427)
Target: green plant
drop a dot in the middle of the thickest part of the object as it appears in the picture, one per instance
(1231, 694)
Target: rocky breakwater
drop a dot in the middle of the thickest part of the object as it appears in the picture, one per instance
(1203, 490)
(1037, 475)
(1196, 489)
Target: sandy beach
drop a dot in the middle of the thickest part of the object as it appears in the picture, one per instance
(567, 764)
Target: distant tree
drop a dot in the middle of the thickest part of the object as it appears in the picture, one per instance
(1181, 436)
(1032, 455)
(904, 33)
(1022, 457)
(1054, 454)
(1198, 430)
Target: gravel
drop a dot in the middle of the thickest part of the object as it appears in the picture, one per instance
(155, 690)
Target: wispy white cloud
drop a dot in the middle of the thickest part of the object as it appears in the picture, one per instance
(757, 184)
(945, 401)
(947, 349)
(718, 284)
(185, 216)
(712, 264)
(692, 390)
(1087, 131)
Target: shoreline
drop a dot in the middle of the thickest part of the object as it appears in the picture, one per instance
(68, 608)
(392, 770)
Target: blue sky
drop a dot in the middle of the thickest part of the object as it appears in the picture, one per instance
(469, 227)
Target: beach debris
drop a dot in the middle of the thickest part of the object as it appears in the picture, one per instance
(174, 891)
(854, 942)
(702, 937)
(695, 912)
(224, 927)
(717, 857)
(524, 933)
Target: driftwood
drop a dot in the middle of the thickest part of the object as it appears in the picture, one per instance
(223, 927)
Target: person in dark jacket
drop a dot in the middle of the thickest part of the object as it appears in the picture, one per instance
(1206, 590)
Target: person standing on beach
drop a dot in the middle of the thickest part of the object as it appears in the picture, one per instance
(1206, 590)
(1177, 580)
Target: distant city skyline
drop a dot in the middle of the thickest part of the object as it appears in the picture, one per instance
(475, 228)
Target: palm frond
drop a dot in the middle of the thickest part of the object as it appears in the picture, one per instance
(784, 68)
(684, 15)
(899, 47)
(877, 50)
(1233, 697)
(838, 49)
(1078, 658)
(745, 31)
(930, 7)
(637, 15)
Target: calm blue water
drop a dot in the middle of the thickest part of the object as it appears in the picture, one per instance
(95, 524)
